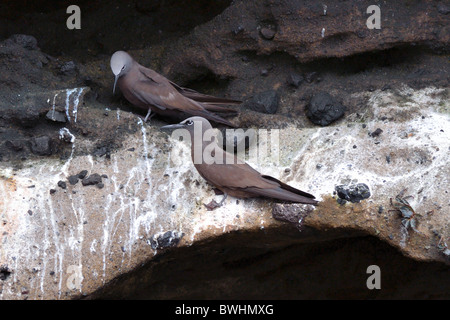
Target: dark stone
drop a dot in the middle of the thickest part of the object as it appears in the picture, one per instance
(73, 179)
(323, 109)
(376, 133)
(100, 185)
(25, 41)
(265, 102)
(15, 145)
(353, 193)
(5, 272)
(57, 116)
(443, 9)
(311, 76)
(68, 68)
(27, 114)
(238, 29)
(168, 239)
(93, 179)
(82, 174)
(52, 191)
(62, 184)
(41, 145)
(295, 79)
(388, 159)
(100, 151)
(267, 33)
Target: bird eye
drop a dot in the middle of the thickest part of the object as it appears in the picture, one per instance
(123, 68)
(189, 122)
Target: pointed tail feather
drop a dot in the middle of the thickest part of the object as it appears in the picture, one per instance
(200, 97)
(289, 188)
(215, 108)
(212, 100)
(204, 98)
(281, 194)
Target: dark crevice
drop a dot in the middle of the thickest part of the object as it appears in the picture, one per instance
(398, 56)
(368, 61)
(207, 82)
(105, 26)
(270, 264)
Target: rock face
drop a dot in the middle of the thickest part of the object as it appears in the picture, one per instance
(153, 195)
(94, 200)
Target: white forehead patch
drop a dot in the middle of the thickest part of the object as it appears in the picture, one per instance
(118, 60)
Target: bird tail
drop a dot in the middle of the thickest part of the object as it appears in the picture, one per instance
(289, 188)
(281, 194)
(215, 108)
(203, 98)
(287, 193)
(214, 100)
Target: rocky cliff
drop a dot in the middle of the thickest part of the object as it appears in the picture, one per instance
(95, 203)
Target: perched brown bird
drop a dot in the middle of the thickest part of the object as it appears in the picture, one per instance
(151, 91)
(229, 174)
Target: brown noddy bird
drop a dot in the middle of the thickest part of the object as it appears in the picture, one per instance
(231, 176)
(150, 91)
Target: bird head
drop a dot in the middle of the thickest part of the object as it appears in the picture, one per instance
(202, 135)
(121, 63)
(191, 124)
(198, 129)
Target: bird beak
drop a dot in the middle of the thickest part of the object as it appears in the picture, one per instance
(115, 81)
(173, 126)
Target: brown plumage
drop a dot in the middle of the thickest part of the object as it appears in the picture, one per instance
(230, 175)
(152, 92)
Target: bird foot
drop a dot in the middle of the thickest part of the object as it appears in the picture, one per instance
(214, 204)
(148, 116)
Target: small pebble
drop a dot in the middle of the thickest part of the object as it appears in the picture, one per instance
(62, 184)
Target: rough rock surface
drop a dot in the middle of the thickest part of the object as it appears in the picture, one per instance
(98, 234)
(144, 209)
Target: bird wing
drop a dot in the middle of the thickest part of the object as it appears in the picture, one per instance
(154, 89)
(232, 173)
(242, 177)
(233, 176)
(200, 97)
